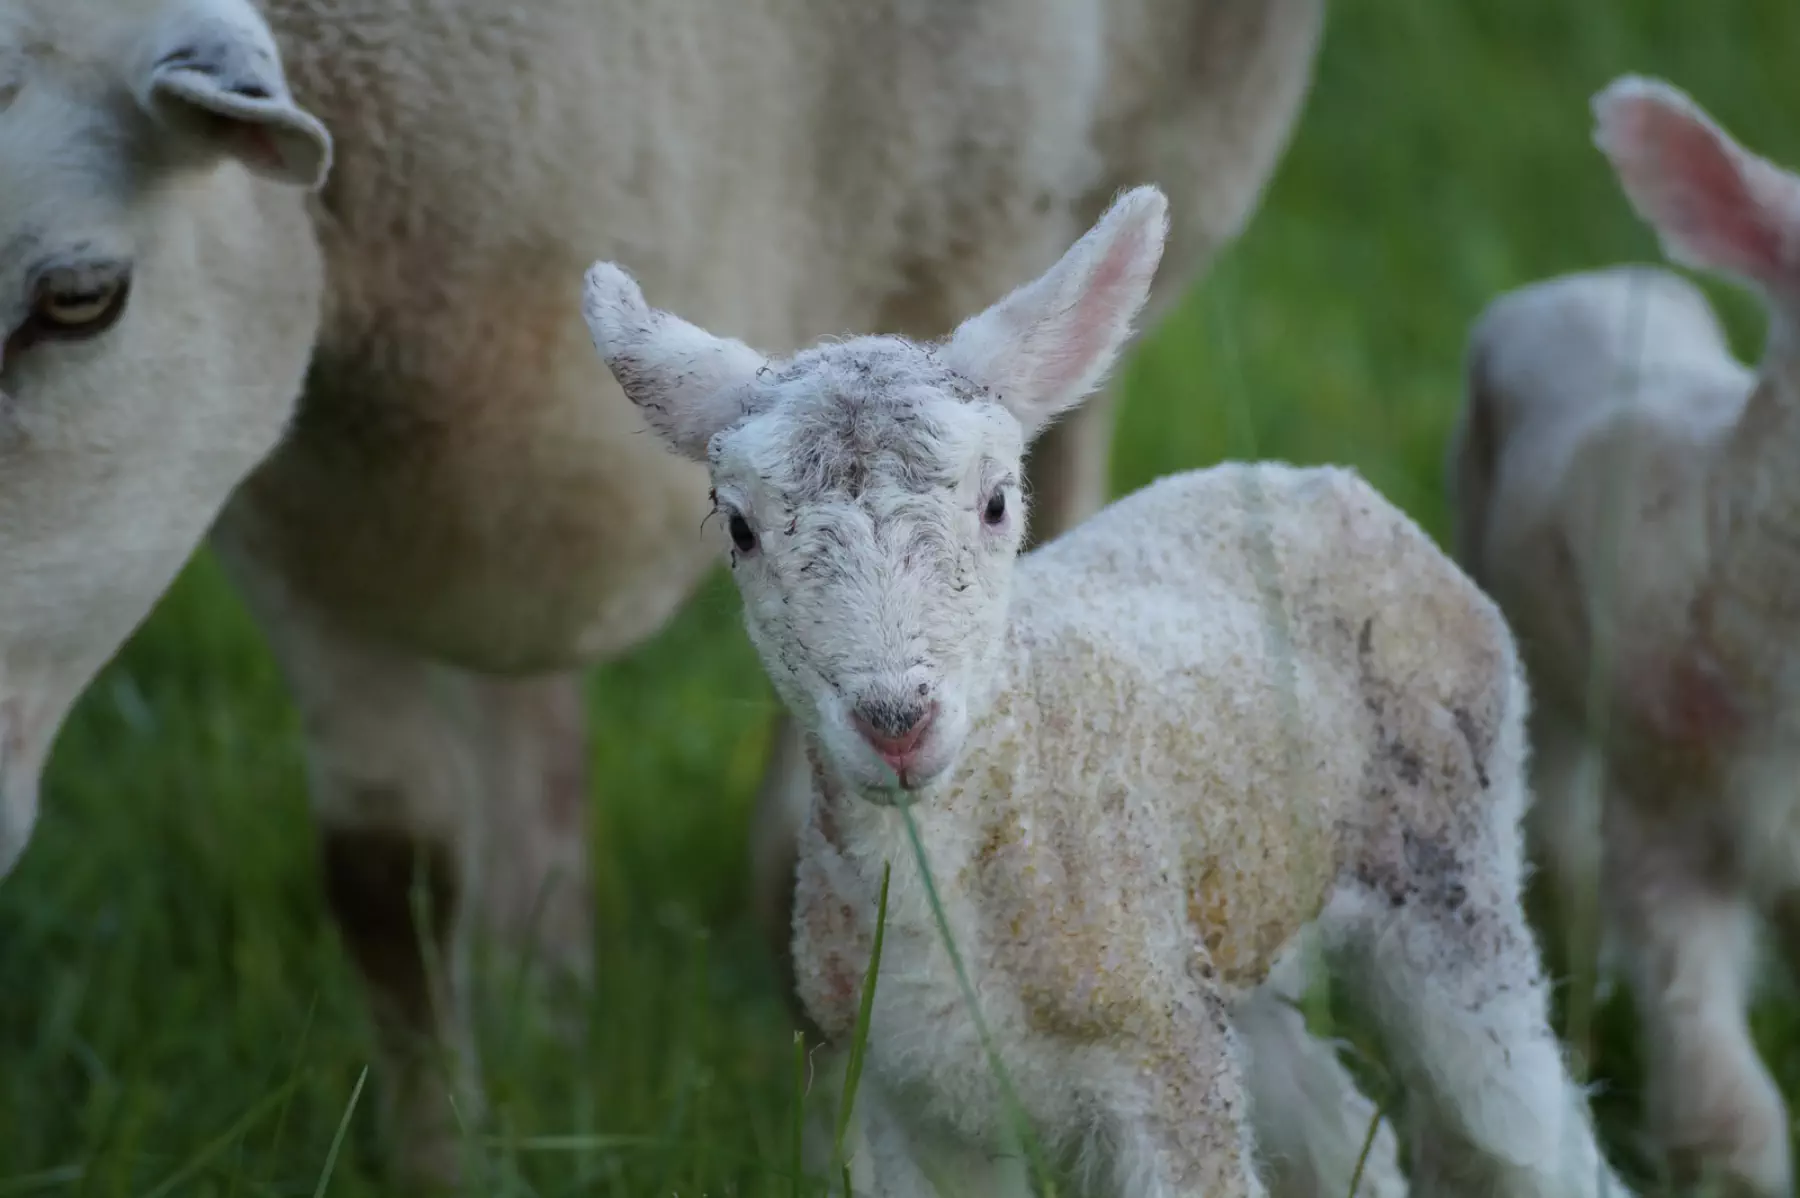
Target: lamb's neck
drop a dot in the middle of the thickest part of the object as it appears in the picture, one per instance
(1755, 493)
(865, 835)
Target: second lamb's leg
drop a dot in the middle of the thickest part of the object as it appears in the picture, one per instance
(1687, 940)
(1563, 826)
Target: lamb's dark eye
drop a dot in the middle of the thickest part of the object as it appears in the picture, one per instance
(741, 534)
(995, 511)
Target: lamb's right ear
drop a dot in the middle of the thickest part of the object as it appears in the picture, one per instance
(688, 383)
(1714, 205)
(212, 74)
(1043, 348)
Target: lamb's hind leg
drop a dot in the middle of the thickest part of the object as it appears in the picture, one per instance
(1432, 939)
(1311, 1121)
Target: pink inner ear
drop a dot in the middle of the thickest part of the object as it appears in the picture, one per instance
(259, 145)
(1694, 186)
(1092, 326)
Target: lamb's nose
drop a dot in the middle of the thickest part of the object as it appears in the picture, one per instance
(894, 730)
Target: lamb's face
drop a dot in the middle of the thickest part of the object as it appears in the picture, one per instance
(139, 380)
(871, 514)
(868, 491)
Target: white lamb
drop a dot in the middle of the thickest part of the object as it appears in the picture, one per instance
(1630, 493)
(462, 493)
(1238, 704)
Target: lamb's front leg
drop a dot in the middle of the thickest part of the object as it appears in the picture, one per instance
(889, 1159)
(1181, 1114)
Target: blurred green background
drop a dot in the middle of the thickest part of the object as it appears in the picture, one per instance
(175, 1014)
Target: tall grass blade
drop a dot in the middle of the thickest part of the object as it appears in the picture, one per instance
(859, 1040)
(1009, 1097)
(337, 1140)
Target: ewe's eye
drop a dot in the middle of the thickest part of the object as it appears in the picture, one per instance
(995, 511)
(75, 304)
(741, 534)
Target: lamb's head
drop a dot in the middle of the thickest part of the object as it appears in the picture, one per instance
(868, 491)
(157, 307)
(1715, 205)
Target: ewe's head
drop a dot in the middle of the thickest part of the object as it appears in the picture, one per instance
(1714, 205)
(868, 491)
(157, 305)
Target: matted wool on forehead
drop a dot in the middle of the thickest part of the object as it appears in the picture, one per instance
(862, 410)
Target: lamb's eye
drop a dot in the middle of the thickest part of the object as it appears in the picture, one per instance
(741, 533)
(995, 511)
(77, 304)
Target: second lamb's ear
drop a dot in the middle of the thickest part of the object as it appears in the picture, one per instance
(1714, 205)
(687, 383)
(1045, 347)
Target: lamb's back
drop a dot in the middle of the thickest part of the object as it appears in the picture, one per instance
(1267, 666)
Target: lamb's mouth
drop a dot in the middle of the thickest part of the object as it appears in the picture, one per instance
(899, 797)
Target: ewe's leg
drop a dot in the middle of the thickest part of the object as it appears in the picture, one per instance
(1310, 1119)
(1068, 468)
(774, 831)
(404, 760)
(535, 898)
(1687, 939)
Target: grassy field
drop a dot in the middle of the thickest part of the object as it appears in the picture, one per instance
(175, 1015)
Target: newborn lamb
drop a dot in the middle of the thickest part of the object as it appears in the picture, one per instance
(1239, 704)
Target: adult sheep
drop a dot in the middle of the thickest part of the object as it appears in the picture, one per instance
(460, 507)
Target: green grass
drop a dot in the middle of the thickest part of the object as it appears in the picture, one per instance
(175, 1014)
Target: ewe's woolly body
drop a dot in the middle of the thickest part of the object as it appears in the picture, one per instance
(464, 478)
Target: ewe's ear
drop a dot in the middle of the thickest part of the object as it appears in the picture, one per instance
(1713, 204)
(687, 382)
(213, 75)
(1043, 348)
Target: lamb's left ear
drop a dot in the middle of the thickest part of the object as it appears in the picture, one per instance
(688, 383)
(1045, 347)
(211, 74)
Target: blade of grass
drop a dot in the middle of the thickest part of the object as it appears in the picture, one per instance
(1009, 1097)
(859, 1040)
(221, 1142)
(44, 1179)
(1362, 1158)
(337, 1140)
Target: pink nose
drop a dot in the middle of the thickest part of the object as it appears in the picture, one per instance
(895, 734)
